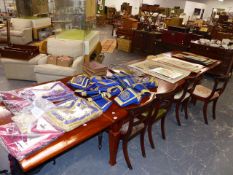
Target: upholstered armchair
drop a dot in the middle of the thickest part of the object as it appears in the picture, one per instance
(60, 47)
(20, 32)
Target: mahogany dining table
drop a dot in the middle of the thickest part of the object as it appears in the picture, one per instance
(111, 120)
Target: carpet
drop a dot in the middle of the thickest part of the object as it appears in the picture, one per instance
(108, 45)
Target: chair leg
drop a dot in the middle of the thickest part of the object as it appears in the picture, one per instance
(100, 139)
(177, 113)
(205, 113)
(186, 108)
(214, 109)
(150, 136)
(142, 136)
(163, 128)
(126, 155)
(194, 101)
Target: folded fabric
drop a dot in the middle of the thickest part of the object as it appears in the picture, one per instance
(84, 93)
(141, 88)
(128, 97)
(124, 80)
(72, 113)
(21, 145)
(54, 92)
(114, 91)
(107, 83)
(102, 102)
(79, 82)
(24, 122)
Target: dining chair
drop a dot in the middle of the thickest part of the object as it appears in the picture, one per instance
(161, 106)
(135, 125)
(207, 95)
(182, 97)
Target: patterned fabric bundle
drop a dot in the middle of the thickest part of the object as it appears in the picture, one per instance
(14, 103)
(128, 97)
(72, 113)
(79, 82)
(20, 145)
(98, 89)
(54, 92)
(102, 102)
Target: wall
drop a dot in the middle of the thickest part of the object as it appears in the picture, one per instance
(189, 8)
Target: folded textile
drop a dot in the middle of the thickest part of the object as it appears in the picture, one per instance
(79, 82)
(21, 145)
(128, 97)
(14, 103)
(54, 92)
(102, 102)
(72, 113)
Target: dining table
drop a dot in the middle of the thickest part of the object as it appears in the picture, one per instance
(110, 121)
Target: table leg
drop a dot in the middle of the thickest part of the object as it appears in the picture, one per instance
(114, 139)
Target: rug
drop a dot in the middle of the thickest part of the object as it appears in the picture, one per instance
(108, 45)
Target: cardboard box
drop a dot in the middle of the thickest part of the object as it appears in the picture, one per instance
(124, 44)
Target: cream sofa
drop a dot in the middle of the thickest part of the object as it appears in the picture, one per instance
(38, 24)
(21, 69)
(60, 47)
(20, 32)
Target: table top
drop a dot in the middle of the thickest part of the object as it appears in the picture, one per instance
(70, 139)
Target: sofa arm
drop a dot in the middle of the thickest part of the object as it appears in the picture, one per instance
(43, 59)
(78, 64)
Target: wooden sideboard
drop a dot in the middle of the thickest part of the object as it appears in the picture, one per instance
(145, 41)
(225, 56)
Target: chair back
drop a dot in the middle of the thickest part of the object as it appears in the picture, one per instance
(136, 118)
(221, 83)
(189, 86)
(162, 101)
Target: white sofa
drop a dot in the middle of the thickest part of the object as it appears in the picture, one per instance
(60, 47)
(20, 32)
(21, 69)
(38, 24)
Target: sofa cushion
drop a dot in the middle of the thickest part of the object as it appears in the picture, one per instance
(60, 47)
(52, 60)
(64, 61)
(49, 69)
(20, 24)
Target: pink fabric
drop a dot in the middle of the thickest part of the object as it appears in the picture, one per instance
(13, 140)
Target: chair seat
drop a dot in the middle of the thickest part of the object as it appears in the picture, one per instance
(125, 127)
(160, 113)
(204, 92)
(179, 95)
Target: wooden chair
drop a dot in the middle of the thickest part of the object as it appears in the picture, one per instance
(161, 106)
(207, 95)
(182, 97)
(134, 126)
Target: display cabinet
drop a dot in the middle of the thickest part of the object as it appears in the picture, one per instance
(224, 55)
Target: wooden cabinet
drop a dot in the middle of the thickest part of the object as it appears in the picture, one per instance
(225, 56)
(180, 40)
(145, 41)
